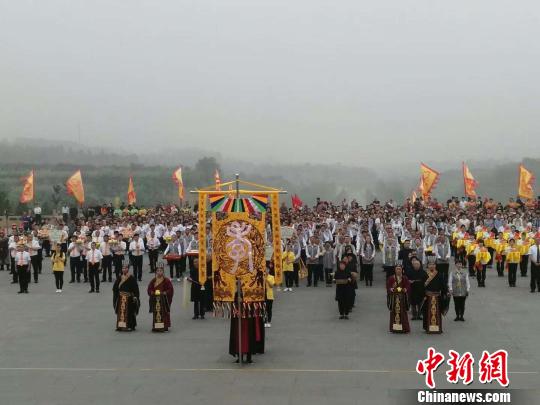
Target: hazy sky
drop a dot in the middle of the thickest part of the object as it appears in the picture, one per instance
(312, 80)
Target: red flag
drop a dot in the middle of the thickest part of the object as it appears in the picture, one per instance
(297, 203)
(75, 186)
(27, 194)
(131, 195)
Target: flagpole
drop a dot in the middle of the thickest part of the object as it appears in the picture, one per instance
(239, 287)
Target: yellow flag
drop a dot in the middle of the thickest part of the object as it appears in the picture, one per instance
(75, 186)
(429, 178)
(525, 185)
(177, 177)
(131, 195)
(27, 194)
(469, 182)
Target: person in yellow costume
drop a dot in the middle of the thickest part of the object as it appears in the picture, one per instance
(470, 247)
(500, 253)
(481, 262)
(513, 259)
(288, 258)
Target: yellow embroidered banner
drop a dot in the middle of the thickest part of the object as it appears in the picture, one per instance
(202, 238)
(276, 239)
(238, 252)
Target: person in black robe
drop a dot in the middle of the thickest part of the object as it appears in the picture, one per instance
(252, 330)
(344, 289)
(405, 254)
(126, 301)
(436, 299)
(352, 268)
(417, 277)
(198, 294)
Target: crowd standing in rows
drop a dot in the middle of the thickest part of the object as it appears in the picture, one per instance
(333, 244)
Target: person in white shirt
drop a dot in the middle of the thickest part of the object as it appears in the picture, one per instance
(119, 250)
(33, 247)
(106, 264)
(153, 244)
(136, 250)
(93, 257)
(22, 261)
(75, 265)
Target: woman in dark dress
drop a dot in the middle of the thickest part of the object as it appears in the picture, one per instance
(160, 293)
(398, 289)
(126, 301)
(435, 301)
(344, 289)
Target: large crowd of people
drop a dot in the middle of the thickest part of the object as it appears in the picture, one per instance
(429, 252)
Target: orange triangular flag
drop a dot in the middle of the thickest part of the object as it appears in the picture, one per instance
(525, 185)
(27, 194)
(131, 195)
(177, 177)
(469, 182)
(75, 186)
(429, 178)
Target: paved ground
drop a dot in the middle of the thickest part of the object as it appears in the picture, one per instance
(62, 349)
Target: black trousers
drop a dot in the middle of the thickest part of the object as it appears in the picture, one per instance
(289, 278)
(500, 266)
(75, 268)
(512, 273)
(153, 258)
(84, 268)
(14, 271)
(198, 308)
(47, 247)
(118, 260)
(182, 264)
(137, 262)
(442, 268)
(174, 265)
(269, 304)
(23, 276)
(491, 253)
(481, 275)
(459, 305)
(36, 266)
(524, 264)
(93, 273)
(343, 307)
(471, 260)
(106, 266)
(313, 274)
(59, 279)
(368, 273)
(535, 277)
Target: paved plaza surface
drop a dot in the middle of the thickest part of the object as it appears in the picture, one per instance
(63, 348)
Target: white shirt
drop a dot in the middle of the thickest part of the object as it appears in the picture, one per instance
(533, 254)
(136, 247)
(34, 246)
(152, 243)
(37, 210)
(105, 248)
(94, 256)
(22, 258)
(74, 250)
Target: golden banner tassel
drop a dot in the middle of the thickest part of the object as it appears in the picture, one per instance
(276, 239)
